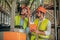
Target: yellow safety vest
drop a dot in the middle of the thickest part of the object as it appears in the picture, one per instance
(42, 27)
(17, 21)
(43, 24)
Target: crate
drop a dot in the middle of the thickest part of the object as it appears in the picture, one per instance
(14, 36)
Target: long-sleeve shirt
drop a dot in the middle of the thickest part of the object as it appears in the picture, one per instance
(48, 31)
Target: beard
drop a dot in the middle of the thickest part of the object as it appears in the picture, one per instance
(37, 16)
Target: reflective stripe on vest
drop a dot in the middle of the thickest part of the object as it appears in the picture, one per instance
(17, 21)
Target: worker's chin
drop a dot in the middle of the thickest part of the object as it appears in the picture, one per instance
(37, 16)
(41, 18)
(23, 16)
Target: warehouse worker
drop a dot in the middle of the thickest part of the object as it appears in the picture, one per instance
(43, 29)
(21, 21)
(27, 13)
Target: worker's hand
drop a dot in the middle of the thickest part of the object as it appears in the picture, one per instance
(40, 32)
(28, 15)
(28, 12)
(32, 30)
(37, 32)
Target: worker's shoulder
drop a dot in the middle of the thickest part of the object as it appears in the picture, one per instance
(17, 16)
(36, 19)
(26, 18)
(48, 20)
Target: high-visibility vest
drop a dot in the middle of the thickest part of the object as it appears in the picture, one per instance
(42, 27)
(17, 21)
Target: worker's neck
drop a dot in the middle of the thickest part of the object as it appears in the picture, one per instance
(42, 18)
(22, 17)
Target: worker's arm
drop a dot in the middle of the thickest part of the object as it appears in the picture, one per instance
(28, 15)
(48, 31)
(40, 32)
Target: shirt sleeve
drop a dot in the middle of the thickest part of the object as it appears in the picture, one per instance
(48, 31)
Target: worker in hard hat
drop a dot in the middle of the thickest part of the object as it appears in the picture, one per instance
(21, 21)
(27, 13)
(43, 29)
